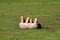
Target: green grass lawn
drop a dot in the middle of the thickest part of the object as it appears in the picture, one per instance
(47, 12)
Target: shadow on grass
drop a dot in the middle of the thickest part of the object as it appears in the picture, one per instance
(39, 26)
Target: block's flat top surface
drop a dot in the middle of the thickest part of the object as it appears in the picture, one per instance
(28, 23)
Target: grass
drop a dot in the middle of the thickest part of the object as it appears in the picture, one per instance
(47, 12)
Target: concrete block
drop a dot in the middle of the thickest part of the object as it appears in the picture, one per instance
(29, 23)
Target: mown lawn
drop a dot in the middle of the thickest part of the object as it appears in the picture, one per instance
(47, 12)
